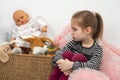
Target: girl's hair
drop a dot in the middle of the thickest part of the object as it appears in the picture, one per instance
(86, 19)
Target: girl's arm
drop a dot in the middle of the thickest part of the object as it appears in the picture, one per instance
(93, 63)
(58, 55)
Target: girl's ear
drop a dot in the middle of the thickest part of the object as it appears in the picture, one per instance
(88, 30)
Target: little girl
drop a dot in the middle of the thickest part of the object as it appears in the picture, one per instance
(84, 50)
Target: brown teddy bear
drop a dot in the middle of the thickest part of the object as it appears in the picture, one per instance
(26, 27)
(5, 49)
(41, 45)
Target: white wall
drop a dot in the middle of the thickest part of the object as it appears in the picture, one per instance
(58, 13)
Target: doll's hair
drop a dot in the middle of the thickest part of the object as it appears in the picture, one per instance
(87, 18)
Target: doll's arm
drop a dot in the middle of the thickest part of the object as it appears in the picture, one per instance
(13, 37)
(44, 29)
(42, 23)
(13, 44)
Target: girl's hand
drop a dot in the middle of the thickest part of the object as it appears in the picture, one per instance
(60, 61)
(67, 72)
(65, 64)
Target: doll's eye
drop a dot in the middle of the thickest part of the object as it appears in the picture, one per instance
(18, 20)
(21, 17)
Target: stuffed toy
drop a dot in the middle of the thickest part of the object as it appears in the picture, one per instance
(24, 28)
(41, 45)
(5, 49)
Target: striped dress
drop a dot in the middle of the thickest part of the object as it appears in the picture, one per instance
(93, 54)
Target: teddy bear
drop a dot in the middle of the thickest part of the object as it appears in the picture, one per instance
(41, 45)
(5, 49)
(25, 27)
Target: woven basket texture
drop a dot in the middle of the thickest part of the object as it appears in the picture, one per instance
(26, 67)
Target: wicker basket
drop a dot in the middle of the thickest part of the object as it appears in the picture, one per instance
(26, 67)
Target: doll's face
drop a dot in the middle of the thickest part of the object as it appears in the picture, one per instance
(20, 17)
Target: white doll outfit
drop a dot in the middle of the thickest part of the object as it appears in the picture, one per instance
(30, 29)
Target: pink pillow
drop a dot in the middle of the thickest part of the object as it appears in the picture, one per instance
(87, 74)
(111, 61)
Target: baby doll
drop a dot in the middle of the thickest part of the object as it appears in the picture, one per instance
(25, 28)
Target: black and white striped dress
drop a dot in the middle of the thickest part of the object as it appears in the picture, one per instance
(93, 54)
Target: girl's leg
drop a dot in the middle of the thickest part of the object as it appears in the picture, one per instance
(79, 57)
(75, 57)
(56, 74)
(63, 77)
(68, 55)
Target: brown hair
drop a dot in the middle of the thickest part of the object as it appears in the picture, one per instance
(87, 18)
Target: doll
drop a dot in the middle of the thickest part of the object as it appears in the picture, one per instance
(25, 28)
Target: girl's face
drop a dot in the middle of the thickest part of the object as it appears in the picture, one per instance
(78, 34)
